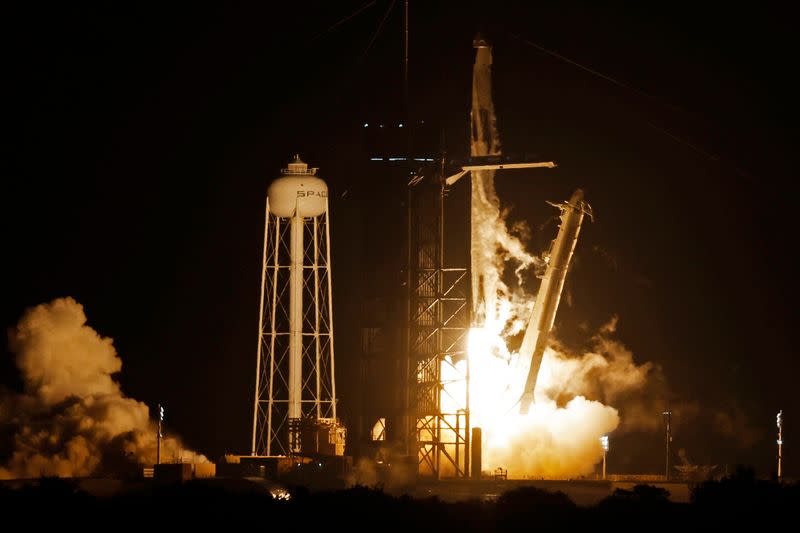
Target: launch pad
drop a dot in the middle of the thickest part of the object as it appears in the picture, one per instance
(431, 419)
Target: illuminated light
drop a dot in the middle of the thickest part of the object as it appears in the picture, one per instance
(376, 159)
(604, 442)
(555, 441)
(379, 430)
(381, 125)
(397, 159)
(780, 442)
(400, 125)
(366, 124)
(549, 440)
(280, 494)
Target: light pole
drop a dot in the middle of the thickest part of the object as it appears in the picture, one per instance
(604, 444)
(159, 434)
(780, 443)
(668, 439)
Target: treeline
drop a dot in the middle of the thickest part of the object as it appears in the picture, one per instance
(733, 502)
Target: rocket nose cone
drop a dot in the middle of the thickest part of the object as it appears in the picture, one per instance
(480, 41)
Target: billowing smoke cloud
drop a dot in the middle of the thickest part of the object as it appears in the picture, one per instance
(551, 441)
(606, 373)
(494, 247)
(72, 419)
(560, 436)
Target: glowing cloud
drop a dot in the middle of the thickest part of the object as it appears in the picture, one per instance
(73, 419)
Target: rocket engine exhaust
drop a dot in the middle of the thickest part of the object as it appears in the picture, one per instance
(544, 310)
(545, 439)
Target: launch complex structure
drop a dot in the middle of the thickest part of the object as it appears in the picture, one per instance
(444, 301)
(295, 403)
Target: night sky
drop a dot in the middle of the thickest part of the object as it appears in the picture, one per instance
(143, 139)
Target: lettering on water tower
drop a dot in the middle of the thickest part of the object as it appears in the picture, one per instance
(322, 194)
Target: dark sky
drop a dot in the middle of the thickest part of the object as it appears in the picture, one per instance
(143, 138)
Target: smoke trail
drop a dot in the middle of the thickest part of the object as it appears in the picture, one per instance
(551, 441)
(72, 419)
(606, 373)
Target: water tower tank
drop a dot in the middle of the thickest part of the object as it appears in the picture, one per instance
(295, 348)
(298, 191)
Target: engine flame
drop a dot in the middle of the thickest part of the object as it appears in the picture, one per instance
(549, 441)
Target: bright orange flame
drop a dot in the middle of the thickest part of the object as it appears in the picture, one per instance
(549, 441)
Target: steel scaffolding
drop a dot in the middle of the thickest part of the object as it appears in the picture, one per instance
(439, 321)
(285, 395)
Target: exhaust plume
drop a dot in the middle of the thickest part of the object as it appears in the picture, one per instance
(560, 435)
(72, 418)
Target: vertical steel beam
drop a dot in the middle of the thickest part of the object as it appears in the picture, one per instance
(256, 399)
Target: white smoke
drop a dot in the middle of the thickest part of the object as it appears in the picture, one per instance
(551, 442)
(493, 246)
(560, 436)
(606, 373)
(73, 419)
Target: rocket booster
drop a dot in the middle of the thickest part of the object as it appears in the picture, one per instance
(544, 310)
(484, 141)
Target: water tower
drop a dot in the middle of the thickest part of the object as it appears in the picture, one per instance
(294, 409)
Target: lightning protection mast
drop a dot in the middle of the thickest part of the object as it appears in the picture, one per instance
(667, 440)
(780, 444)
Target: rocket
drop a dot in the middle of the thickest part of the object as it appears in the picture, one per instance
(484, 141)
(544, 309)
(485, 159)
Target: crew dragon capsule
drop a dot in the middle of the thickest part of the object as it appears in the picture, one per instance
(544, 310)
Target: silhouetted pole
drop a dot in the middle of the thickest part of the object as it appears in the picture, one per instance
(780, 443)
(668, 439)
(604, 444)
(159, 435)
(405, 58)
